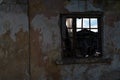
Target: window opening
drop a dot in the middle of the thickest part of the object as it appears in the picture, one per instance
(81, 36)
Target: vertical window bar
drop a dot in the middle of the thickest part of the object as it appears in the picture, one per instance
(82, 23)
(89, 24)
(74, 35)
(100, 33)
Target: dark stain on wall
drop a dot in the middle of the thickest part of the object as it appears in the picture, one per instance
(47, 7)
(36, 46)
(38, 61)
(111, 18)
(14, 55)
(107, 5)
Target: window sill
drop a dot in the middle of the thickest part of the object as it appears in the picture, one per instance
(67, 61)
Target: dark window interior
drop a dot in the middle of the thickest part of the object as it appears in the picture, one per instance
(81, 34)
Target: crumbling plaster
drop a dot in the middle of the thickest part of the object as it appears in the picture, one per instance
(48, 25)
(29, 44)
(14, 41)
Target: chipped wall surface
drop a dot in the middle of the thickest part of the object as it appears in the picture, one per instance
(13, 40)
(42, 46)
(45, 41)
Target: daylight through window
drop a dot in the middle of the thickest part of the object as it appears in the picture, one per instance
(81, 35)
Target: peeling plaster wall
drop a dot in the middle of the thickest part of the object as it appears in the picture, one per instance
(14, 40)
(45, 41)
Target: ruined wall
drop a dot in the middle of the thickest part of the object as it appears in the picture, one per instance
(45, 40)
(39, 44)
(14, 40)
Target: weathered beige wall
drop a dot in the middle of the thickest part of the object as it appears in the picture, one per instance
(44, 46)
